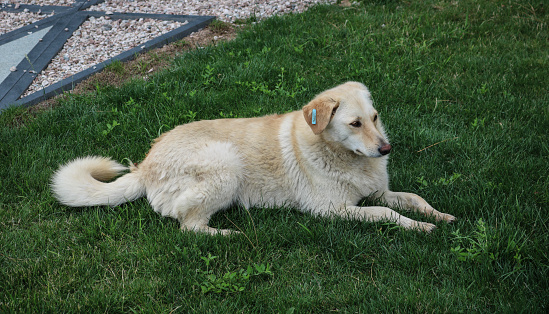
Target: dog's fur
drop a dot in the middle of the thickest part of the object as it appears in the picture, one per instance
(202, 167)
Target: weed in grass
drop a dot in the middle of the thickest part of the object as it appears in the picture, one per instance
(254, 87)
(208, 76)
(445, 182)
(257, 111)
(423, 183)
(478, 248)
(289, 91)
(110, 127)
(485, 246)
(189, 115)
(483, 89)
(230, 282)
(281, 88)
(229, 115)
(167, 97)
(132, 106)
(191, 94)
(478, 123)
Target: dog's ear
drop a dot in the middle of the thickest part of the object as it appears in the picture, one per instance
(319, 112)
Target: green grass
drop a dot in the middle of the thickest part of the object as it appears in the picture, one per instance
(471, 77)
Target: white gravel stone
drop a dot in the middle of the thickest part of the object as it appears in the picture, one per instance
(225, 10)
(44, 2)
(11, 21)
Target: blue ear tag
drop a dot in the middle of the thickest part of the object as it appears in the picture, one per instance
(314, 116)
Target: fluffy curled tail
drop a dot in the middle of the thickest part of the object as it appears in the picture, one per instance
(79, 183)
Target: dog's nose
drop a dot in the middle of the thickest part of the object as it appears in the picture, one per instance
(385, 149)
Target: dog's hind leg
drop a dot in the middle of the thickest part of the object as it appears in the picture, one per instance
(215, 179)
(193, 206)
(196, 206)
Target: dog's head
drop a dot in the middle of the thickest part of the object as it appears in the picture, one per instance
(345, 115)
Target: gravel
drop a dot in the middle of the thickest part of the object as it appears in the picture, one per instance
(12, 21)
(99, 39)
(44, 2)
(225, 10)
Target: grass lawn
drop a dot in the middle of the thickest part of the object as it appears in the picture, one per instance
(462, 87)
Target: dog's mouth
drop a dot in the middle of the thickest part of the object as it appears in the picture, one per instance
(382, 151)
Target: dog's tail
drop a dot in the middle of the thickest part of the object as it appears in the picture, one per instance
(80, 183)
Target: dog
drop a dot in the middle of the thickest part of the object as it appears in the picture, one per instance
(323, 159)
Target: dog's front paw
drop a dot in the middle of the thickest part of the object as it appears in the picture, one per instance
(423, 226)
(442, 216)
(447, 217)
(427, 227)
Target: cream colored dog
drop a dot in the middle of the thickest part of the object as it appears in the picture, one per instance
(323, 159)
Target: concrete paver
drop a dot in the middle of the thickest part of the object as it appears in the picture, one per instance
(15, 51)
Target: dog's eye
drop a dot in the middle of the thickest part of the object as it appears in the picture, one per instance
(356, 124)
(375, 118)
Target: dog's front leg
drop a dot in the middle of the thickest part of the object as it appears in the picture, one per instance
(377, 213)
(410, 201)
